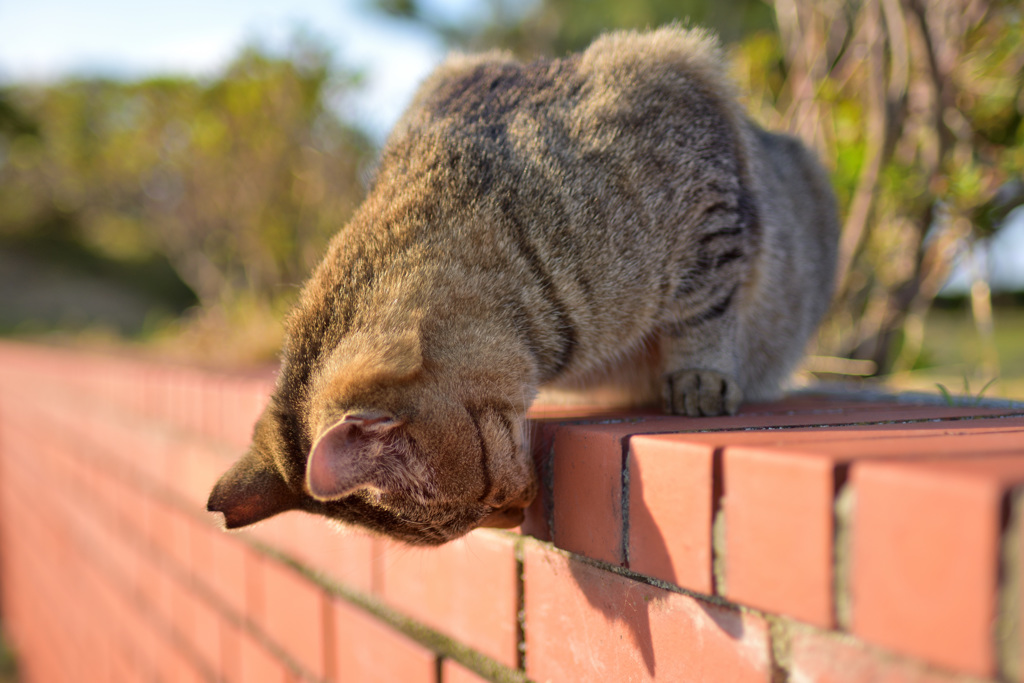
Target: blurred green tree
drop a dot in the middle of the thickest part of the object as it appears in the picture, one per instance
(556, 27)
(239, 180)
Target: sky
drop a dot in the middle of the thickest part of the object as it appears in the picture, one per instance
(48, 39)
(1002, 256)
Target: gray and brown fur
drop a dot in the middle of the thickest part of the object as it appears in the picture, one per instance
(611, 217)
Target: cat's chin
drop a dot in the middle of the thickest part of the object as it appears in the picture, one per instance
(505, 518)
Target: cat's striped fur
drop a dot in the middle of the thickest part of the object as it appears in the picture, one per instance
(611, 217)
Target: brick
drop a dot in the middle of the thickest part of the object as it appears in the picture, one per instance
(556, 413)
(183, 406)
(150, 589)
(778, 507)
(219, 561)
(178, 410)
(244, 400)
(205, 632)
(123, 667)
(801, 411)
(93, 656)
(778, 516)
(178, 606)
(366, 649)
(231, 651)
(107, 495)
(537, 522)
(137, 565)
(588, 490)
(195, 471)
(273, 531)
(140, 446)
(135, 510)
(587, 624)
(890, 410)
(586, 465)
(453, 672)
(212, 401)
(294, 615)
(351, 558)
(587, 472)
(301, 536)
(671, 485)
(68, 438)
(925, 551)
(919, 440)
(255, 601)
(465, 589)
(345, 554)
(96, 540)
(162, 592)
(833, 658)
(258, 665)
(142, 639)
(172, 533)
(179, 668)
(803, 437)
(1012, 659)
(158, 390)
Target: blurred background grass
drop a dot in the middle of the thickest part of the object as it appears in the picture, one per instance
(176, 213)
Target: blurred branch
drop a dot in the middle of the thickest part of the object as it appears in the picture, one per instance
(876, 132)
(981, 311)
(991, 215)
(905, 86)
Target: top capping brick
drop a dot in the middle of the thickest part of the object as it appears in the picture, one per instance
(599, 510)
(582, 506)
(671, 492)
(926, 558)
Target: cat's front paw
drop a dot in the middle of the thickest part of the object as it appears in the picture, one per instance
(700, 392)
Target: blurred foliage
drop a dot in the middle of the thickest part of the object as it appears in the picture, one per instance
(917, 106)
(556, 27)
(238, 181)
(914, 105)
(12, 121)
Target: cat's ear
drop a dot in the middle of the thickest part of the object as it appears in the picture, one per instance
(342, 459)
(250, 491)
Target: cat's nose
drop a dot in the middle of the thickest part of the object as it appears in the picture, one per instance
(505, 518)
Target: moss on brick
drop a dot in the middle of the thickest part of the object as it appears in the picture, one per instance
(441, 644)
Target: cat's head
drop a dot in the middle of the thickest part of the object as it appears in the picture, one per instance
(399, 436)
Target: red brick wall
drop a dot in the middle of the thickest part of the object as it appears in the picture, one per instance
(814, 539)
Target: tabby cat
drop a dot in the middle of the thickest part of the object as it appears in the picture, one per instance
(610, 217)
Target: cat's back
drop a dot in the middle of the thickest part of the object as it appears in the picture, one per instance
(596, 181)
(602, 196)
(621, 77)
